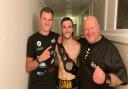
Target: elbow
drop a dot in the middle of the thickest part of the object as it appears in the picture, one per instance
(27, 70)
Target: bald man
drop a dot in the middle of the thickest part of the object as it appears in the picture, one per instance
(100, 64)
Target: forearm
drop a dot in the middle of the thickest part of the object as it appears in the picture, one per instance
(99, 77)
(31, 65)
(115, 81)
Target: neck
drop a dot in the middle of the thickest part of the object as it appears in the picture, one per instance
(67, 41)
(99, 38)
(45, 33)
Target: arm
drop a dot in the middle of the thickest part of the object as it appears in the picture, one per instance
(99, 77)
(115, 81)
(117, 71)
(31, 64)
(58, 56)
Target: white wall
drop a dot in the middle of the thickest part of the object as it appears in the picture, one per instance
(111, 14)
(17, 20)
(105, 11)
(56, 25)
(99, 11)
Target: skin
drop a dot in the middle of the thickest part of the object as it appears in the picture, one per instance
(67, 30)
(69, 44)
(92, 30)
(46, 22)
(92, 34)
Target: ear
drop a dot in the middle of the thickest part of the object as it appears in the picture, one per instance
(39, 20)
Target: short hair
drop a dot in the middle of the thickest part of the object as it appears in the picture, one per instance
(65, 19)
(46, 9)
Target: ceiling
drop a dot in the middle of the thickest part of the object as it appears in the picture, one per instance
(67, 7)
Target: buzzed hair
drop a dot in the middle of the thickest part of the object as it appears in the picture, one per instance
(65, 19)
(94, 19)
(46, 9)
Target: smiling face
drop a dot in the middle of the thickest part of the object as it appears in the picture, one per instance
(46, 21)
(67, 29)
(91, 30)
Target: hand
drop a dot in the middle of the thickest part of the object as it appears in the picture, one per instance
(45, 55)
(115, 81)
(60, 39)
(99, 76)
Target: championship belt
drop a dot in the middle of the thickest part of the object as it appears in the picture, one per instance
(69, 64)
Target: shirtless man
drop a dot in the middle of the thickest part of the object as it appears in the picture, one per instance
(67, 54)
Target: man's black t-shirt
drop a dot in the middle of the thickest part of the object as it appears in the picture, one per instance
(42, 78)
(103, 54)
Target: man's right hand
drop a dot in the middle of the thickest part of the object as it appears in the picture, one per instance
(99, 76)
(59, 41)
(45, 55)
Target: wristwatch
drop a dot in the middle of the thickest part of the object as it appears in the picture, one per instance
(108, 79)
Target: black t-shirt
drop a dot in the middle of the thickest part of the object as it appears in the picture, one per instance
(103, 54)
(37, 43)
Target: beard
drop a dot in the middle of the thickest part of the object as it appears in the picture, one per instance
(67, 35)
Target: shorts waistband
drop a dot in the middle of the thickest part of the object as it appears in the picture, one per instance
(67, 84)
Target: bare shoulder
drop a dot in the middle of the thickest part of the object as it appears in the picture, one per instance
(76, 43)
(76, 48)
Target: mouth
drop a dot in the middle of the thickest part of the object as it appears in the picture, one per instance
(67, 33)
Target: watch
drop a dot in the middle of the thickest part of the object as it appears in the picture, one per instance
(108, 79)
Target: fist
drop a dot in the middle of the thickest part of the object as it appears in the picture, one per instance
(99, 76)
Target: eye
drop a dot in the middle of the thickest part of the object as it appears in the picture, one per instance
(92, 27)
(70, 26)
(86, 28)
(64, 27)
(50, 20)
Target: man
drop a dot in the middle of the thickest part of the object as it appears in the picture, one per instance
(40, 54)
(101, 66)
(67, 57)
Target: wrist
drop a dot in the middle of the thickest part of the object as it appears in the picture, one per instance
(107, 79)
(37, 60)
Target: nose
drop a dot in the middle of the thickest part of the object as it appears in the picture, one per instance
(47, 22)
(66, 29)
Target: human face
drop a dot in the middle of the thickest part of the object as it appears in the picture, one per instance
(67, 29)
(91, 30)
(46, 21)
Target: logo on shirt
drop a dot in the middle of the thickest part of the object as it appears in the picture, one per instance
(38, 43)
(93, 65)
(42, 65)
(87, 53)
(52, 61)
(53, 40)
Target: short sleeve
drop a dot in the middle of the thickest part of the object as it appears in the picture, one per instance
(117, 65)
(30, 48)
